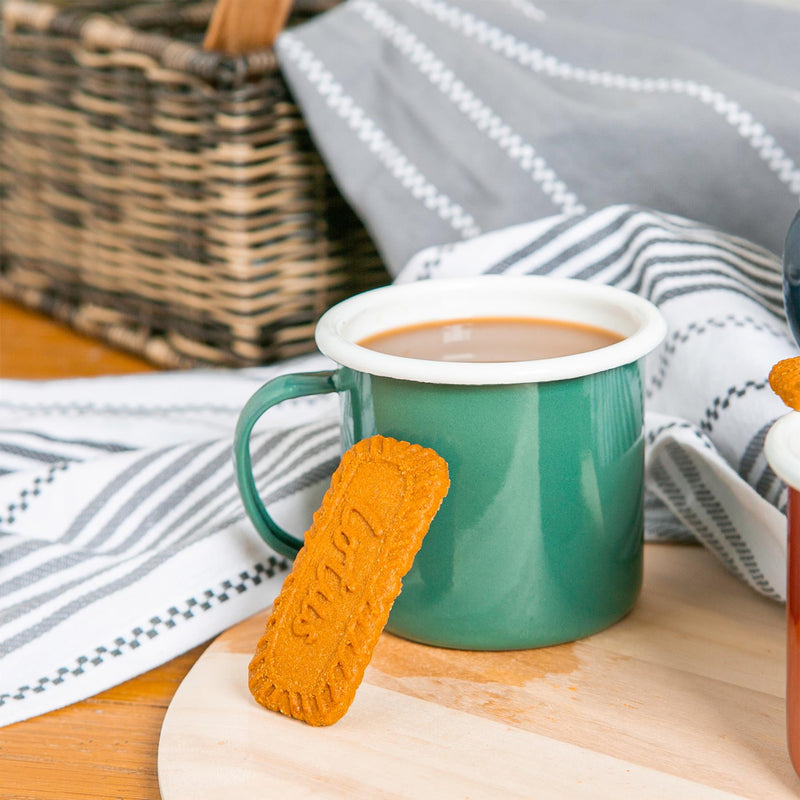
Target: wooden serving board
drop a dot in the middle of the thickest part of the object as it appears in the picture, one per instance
(683, 698)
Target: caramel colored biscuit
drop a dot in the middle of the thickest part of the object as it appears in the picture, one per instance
(784, 378)
(334, 604)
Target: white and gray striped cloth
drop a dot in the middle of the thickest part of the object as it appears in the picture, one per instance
(441, 119)
(122, 538)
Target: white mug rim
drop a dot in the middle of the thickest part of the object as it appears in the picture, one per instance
(341, 327)
(782, 448)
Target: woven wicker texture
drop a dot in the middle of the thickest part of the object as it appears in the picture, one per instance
(164, 198)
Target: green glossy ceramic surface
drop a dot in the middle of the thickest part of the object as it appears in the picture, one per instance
(539, 539)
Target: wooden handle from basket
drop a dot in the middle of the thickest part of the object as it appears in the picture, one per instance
(237, 27)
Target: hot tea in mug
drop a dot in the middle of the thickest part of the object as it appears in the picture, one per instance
(491, 339)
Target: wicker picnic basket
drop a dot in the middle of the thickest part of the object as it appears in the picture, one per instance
(162, 197)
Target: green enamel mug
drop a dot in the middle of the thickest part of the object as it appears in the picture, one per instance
(539, 540)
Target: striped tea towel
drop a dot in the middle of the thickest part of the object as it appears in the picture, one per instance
(123, 541)
(440, 119)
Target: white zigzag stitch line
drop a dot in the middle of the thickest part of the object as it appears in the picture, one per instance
(528, 9)
(475, 110)
(512, 48)
(376, 140)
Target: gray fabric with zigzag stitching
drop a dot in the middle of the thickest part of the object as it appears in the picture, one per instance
(441, 119)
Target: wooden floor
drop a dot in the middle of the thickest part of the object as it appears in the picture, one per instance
(107, 746)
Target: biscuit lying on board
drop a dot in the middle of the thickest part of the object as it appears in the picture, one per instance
(784, 379)
(335, 602)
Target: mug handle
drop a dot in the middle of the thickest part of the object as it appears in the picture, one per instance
(284, 387)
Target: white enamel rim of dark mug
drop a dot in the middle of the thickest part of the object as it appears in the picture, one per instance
(341, 328)
(782, 448)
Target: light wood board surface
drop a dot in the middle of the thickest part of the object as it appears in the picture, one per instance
(683, 698)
